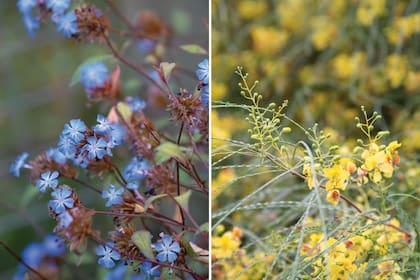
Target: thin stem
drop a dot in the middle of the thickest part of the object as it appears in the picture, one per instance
(87, 185)
(178, 188)
(133, 66)
(19, 259)
(119, 14)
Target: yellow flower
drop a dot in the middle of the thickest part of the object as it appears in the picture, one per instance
(346, 66)
(307, 171)
(369, 10)
(224, 246)
(324, 33)
(396, 69)
(337, 177)
(333, 197)
(268, 40)
(218, 91)
(219, 183)
(348, 164)
(250, 9)
(380, 163)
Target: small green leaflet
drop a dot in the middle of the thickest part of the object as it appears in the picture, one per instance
(168, 150)
(151, 199)
(142, 240)
(194, 49)
(183, 199)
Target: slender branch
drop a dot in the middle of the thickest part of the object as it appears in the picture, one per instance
(86, 185)
(117, 11)
(19, 259)
(178, 188)
(133, 66)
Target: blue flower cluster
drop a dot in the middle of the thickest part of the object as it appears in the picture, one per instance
(34, 253)
(82, 145)
(167, 251)
(203, 76)
(66, 22)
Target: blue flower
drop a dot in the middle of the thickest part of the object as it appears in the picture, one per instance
(117, 273)
(66, 146)
(103, 126)
(67, 24)
(136, 169)
(148, 269)
(26, 6)
(113, 195)
(96, 147)
(62, 200)
(30, 23)
(109, 255)
(64, 220)
(205, 95)
(47, 180)
(116, 134)
(145, 45)
(136, 104)
(75, 130)
(33, 254)
(167, 249)
(93, 75)
(58, 6)
(18, 164)
(54, 245)
(203, 71)
(56, 155)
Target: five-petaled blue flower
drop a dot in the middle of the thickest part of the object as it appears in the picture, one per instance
(203, 71)
(66, 146)
(103, 126)
(56, 155)
(48, 180)
(75, 130)
(109, 255)
(18, 164)
(67, 24)
(167, 249)
(62, 200)
(58, 6)
(136, 169)
(93, 75)
(113, 195)
(96, 147)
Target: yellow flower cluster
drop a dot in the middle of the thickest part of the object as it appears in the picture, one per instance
(379, 163)
(231, 262)
(348, 259)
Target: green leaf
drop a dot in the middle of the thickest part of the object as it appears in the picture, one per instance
(151, 199)
(194, 49)
(76, 75)
(168, 150)
(28, 196)
(166, 69)
(186, 238)
(125, 110)
(142, 240)
(184, 198)
(204, 227)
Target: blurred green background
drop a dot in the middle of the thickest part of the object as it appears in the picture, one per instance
(36, 101)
